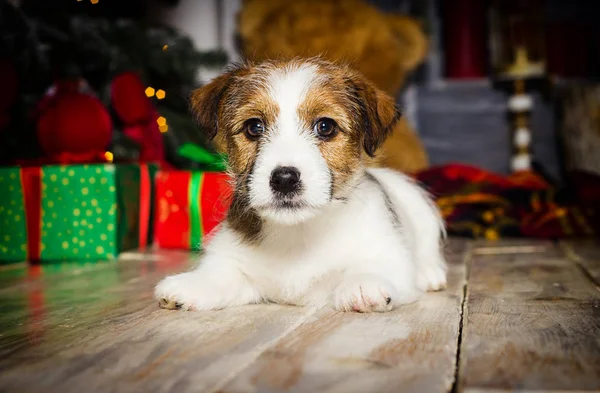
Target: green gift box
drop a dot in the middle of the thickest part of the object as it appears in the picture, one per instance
(74, 212)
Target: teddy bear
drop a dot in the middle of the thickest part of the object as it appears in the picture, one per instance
(384, 47)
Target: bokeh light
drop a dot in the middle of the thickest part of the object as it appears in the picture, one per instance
(149, 91)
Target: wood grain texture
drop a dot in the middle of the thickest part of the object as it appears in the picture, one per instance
(157, 351)
(586, 253)
(53, 301)
(411, 349)
(512, 246)
(532, 323)
(101, 330)
(525, 391)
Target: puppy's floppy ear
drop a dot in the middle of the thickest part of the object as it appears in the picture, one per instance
(378, 112)
(206, 101)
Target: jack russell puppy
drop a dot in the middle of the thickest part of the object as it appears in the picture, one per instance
(309, 223)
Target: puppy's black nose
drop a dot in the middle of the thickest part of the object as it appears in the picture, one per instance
(285, 179)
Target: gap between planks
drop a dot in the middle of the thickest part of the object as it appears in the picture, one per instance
(463, 310)
(590, 268)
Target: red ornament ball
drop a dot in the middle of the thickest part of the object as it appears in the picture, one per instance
(74, 123)
(129, 99)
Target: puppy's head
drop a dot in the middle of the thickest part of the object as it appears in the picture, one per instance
(295, 133)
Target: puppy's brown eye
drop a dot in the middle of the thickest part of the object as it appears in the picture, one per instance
(325, 127)
(254, 128)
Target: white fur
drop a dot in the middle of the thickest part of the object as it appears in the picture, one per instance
(350, 254)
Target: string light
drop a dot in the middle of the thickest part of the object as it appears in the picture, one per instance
(162, 124)
(149, 91)
(165, 47)
(109, 156)
(160, 94)
(94, 1)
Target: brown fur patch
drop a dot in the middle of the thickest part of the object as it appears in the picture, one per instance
(241, 150)
(376, 112)
(330, 99)
(365, 116)
(207, 102)
(223, 106)
(243, 219)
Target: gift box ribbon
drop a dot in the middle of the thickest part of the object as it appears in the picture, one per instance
(200, 206)
(145, 208)
(208, 161)
(195, 195)
(32, 198)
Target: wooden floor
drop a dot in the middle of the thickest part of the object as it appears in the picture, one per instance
(518, 315)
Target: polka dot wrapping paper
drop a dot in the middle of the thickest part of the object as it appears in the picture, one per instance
(74, 212)
(189, 206)
(13, 237)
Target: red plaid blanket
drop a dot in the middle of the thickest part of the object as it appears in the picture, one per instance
(477, 203)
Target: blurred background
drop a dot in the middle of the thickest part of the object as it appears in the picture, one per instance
(442, 59)
(502, 87)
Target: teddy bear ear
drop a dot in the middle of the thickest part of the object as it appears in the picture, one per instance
(411, 38)
(205, 102)
(377, 112)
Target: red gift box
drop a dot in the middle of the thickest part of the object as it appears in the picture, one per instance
(189, 206)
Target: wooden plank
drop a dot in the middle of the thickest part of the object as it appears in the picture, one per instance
(25, 273)
(412, 349)
(102, 331)
(511, 246)
(48, 305)
(586, 253)
(21, 273)
(532, 322)
(156, 351)
(524, 391)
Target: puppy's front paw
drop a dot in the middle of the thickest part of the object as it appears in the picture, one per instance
(179, 292)
(365, 294)
(432, 277)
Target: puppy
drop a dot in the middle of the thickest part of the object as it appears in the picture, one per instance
(309, 224)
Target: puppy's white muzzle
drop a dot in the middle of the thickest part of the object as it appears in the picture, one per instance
(290, 181)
